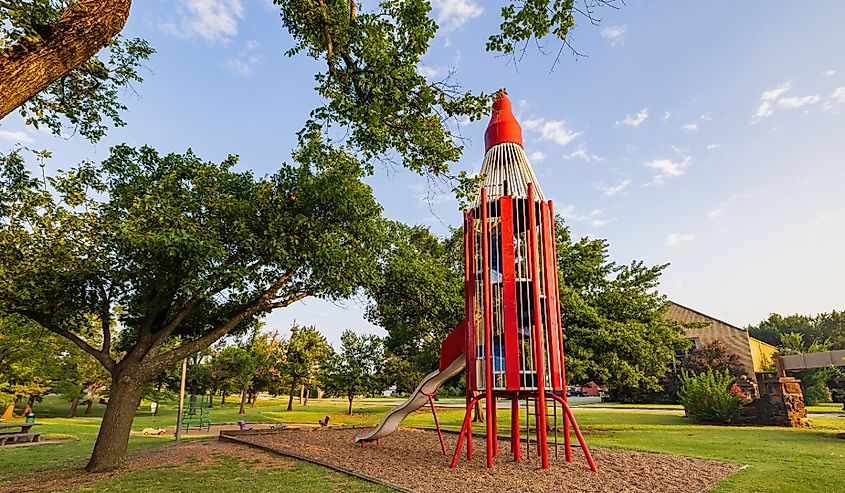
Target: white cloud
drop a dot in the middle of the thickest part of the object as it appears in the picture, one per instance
(675, 239)
(719, 211)
(716, 213)
(690, 127)
(552, 130)
(765, 108)
(667, 115)
(617, 189)
(775, 93)
(772, 98)
(706, 117)
(244, 64)
(212, 20)
(714, 146)
(593, 218)
(430, 72)
(830, 72)
(536, 156)
(798, 102)
(583, 153)
(452, 14)
(634, 120)
(17, 137)
(668, 168)
(615, 34)
(839, 95)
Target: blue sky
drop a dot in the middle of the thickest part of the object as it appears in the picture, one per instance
(703, 134)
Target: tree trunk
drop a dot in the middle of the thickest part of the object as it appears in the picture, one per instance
(88, 404)
(85, 27)
(29, 403)
(192, 403)
(222, 397)
(243, 399)
(292, 390)
(113, 439)
(253, 400)
(477, 413)
(73, 403)
(350, 405)
(210, 400)
(9, 413)
(307, 393)
(301, 392)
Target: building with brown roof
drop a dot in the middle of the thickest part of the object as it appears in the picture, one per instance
(754, 354)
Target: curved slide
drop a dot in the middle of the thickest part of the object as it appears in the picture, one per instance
(452, 362)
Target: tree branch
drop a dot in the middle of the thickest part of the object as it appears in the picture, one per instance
(260, 303)
(104, 359)
(85, 27)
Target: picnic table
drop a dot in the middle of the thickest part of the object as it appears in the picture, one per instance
(22, 436)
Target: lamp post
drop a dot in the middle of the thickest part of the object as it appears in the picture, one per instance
(181, 400)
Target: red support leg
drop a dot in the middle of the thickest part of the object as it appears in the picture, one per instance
(469, 438)
(515, 429)
(578, 434)
(495, 428)
(567, 440)
(464, 430)
(436, 423)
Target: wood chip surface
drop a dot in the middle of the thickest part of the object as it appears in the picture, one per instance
(413, 459)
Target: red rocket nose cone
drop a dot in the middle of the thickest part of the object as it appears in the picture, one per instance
(503, 126)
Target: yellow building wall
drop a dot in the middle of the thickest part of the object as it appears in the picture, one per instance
(762, 354)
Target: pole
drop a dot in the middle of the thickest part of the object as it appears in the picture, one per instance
(181, 400)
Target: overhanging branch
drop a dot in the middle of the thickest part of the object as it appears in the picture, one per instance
(84, 28)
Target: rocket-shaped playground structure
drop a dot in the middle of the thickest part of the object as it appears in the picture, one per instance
(511, 341)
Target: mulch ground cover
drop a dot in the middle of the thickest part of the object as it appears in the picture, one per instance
(412, 459)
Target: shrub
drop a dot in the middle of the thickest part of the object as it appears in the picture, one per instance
(711, 397)
(713, 356)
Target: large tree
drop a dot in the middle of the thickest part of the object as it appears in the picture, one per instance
(612, 314)
(419, 298)
(187, 249)
(237, 366)
(306, 348)
(355, 370)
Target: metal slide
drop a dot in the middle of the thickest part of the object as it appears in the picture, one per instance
(418, 399)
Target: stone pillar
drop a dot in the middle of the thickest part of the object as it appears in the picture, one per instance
(781, 403)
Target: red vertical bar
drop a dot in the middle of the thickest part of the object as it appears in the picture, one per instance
(470, 299)
(470, 341)
(567, 440)
(550, 280)
(539, 365)
(509, 296)
(488, 326)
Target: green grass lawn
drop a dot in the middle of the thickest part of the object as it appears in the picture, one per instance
(779, 460)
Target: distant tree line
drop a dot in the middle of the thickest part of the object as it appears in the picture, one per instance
(258, 362)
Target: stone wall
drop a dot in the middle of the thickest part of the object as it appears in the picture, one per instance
(781, 403)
